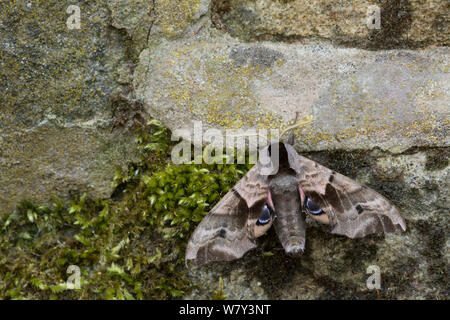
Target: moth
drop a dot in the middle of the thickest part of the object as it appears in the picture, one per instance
(282, 198)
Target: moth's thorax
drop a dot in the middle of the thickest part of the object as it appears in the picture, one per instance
(290, 222)
(283, 182)
(284, 191)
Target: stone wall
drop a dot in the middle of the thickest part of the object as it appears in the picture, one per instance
(378, 100)
(57, 115)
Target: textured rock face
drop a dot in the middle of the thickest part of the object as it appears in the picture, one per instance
(168, 18)
(403, 23)
(358, 99)
(55, 110)
(379, 116)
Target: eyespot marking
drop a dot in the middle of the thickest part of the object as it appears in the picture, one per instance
(265, 216)
(313, 208)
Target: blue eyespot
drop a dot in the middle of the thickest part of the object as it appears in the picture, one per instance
(264, 217)
(313, 208)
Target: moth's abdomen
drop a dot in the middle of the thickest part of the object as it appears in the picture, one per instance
(290, 222)
(291, 230)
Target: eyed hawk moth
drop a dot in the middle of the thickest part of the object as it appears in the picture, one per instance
(283, 198)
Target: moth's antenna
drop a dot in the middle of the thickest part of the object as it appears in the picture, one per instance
(305, 121)
(291, 136)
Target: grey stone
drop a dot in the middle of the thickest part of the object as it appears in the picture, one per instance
(379, 117)
(56, 118)
(402, 23)
(358, 99)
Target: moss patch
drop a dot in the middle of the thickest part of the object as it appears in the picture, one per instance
(128, 247)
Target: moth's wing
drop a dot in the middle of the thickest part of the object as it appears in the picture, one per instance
(227, 231)
(352, 210)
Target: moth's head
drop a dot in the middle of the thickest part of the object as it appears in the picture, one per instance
(277, 152)
(279, 157)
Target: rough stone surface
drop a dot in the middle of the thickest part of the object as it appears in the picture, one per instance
(404, 23)
(56, 114)
(358, 99)
(144, 18)
(379, 117)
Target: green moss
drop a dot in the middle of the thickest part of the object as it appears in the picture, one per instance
(218, 294)
(128, 247)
